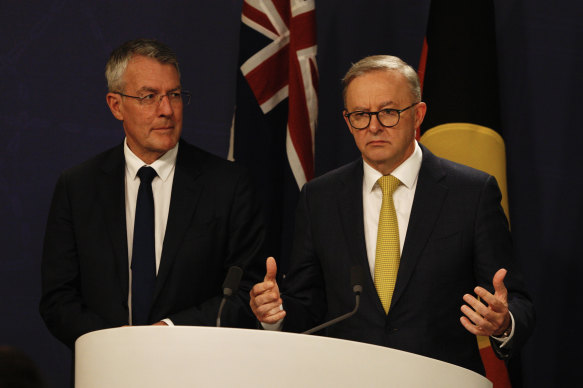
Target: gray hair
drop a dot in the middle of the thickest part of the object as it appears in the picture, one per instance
(383, 63)
(119, 58)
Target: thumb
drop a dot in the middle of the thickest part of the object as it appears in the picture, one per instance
(270, 269)
(498, 283)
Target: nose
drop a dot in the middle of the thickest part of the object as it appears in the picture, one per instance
(165, 107)
(375, 125)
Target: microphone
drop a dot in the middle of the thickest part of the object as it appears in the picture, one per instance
(230, 286)
(356, 280)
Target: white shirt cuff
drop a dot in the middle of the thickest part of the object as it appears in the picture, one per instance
(505, 340)
(168, 322)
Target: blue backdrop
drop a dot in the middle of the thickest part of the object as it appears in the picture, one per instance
(53, 115)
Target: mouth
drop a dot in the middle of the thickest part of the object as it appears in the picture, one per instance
(164, 128)
(377, 142)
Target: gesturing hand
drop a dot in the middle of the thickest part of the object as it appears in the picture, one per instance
(265, 299)
(491, 318)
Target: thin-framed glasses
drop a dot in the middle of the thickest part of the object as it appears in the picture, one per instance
(387, 117)
(151, 99)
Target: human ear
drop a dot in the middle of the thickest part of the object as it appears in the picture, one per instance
(114, 102)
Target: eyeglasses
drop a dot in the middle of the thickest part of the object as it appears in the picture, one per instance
(387, 117)
(175, 98)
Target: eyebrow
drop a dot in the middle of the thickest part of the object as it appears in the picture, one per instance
(153, 90)
(383, 105)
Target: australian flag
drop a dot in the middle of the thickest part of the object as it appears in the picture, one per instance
(276, 109)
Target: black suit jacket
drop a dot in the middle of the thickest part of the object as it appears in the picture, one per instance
(457, 238)
(213, 223)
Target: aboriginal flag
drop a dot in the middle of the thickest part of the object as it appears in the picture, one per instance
(459, 75)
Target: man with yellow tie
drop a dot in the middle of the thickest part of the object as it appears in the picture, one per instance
(431, 232)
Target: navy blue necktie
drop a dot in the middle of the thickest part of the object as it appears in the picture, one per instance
(144, 251)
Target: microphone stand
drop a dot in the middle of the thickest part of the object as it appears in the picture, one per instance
(230, 286)
(335, 320)
(356, 280)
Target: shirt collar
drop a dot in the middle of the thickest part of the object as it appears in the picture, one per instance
(407, 172)
(163, 165)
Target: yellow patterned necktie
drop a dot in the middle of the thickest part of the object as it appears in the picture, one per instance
(388, 254)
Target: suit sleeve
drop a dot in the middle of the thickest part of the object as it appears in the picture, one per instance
(493, 250)
(243, 241)
(61, 305)
(303, 291)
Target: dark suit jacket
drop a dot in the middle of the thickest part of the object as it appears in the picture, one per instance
(457, 238)
(213, 223)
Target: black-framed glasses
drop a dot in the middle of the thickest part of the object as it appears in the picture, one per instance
(387, 117)
(152, 99)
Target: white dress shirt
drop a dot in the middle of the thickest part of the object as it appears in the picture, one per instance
(372, 198)
(162, 191)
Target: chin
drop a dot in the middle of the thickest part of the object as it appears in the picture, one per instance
(167, 141)
(380, 157)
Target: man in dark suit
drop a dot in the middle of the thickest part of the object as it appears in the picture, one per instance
(205, 217)
(449, 233)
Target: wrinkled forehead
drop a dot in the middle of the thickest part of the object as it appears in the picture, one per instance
(149, 73)
(379, 87)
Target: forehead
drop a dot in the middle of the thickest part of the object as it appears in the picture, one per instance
(377, 87)
(145, 72)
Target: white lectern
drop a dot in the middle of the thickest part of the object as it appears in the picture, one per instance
(153, 356)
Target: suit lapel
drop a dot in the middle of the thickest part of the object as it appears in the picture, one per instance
(429, 197)
(111, 188)
(351, 213)
(350, 210)
(186, 190)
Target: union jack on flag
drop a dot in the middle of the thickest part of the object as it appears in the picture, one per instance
(286, 68)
